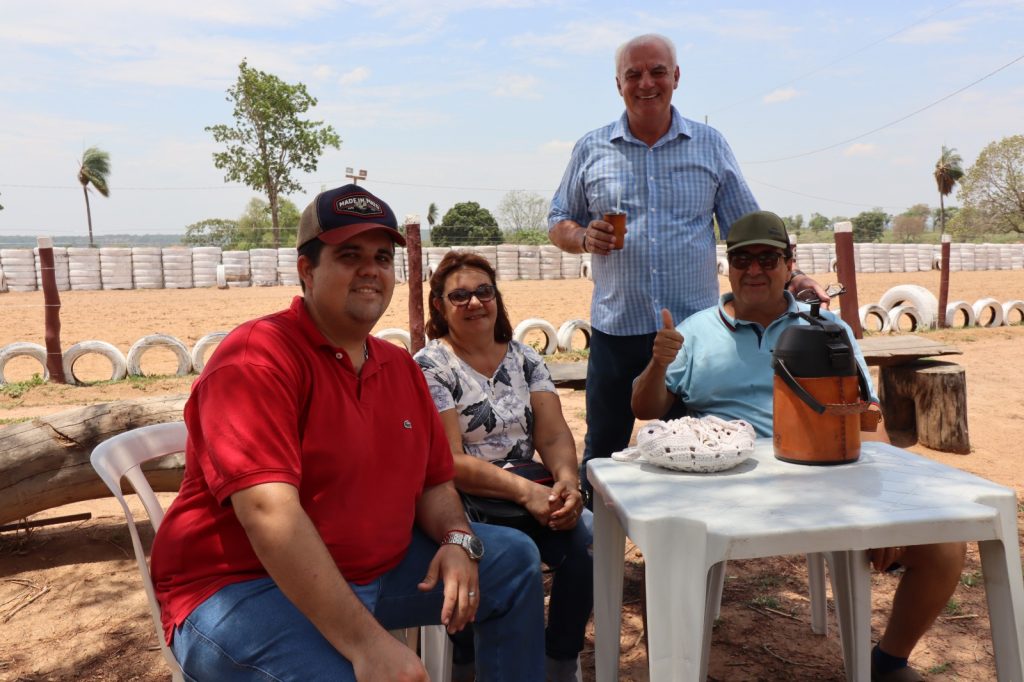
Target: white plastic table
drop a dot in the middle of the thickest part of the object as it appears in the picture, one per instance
(687, 524)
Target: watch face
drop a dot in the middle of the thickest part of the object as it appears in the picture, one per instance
(475, 547)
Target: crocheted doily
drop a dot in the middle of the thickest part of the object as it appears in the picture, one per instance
(702, 445)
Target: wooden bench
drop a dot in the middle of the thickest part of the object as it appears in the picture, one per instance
(925, 397)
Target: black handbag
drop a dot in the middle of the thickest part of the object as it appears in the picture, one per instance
(506, 512)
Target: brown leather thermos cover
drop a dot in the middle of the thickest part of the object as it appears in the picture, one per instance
(803, 436)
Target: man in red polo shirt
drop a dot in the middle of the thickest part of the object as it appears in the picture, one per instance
(317, 509)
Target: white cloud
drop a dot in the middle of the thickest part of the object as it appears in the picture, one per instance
(518, 87)
(934, 32)
(781, 95)
(860, 149)
(356, 75)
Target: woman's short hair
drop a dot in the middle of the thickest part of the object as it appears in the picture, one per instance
(453, 261)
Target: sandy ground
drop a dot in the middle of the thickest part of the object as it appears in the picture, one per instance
(71, 605)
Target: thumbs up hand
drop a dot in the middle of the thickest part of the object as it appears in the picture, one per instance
(667, 343)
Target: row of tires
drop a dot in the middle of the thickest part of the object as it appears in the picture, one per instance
(920, 308)
(121, 366)
(194, 359)
(559, 340)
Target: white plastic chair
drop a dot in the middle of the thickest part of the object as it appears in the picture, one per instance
(121, 457)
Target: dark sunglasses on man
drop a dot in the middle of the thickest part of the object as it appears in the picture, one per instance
(462, 297)
(741, 260)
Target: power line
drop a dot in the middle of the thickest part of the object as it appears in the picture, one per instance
(891, 123)
(812, 196)
(837, 59)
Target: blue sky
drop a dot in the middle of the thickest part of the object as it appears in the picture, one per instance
(455, 100)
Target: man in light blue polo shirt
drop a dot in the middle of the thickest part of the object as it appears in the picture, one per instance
(718, 361)
(673, 178)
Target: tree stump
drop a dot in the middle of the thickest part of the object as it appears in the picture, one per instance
(929, 398)
(44, 463)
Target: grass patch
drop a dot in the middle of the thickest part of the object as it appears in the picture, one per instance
(16, 389)
(570, 356)
(939, 669)
(13, 420)
(765, 601)
(971, 579)
(953, 608)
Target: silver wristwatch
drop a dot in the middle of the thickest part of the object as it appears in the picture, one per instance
(472, 544)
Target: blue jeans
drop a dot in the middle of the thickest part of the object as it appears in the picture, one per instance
(569, 556)
(250, 631)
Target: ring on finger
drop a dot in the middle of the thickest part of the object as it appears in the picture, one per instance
(471, 595)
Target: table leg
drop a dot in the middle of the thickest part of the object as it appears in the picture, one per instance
(1004, 590)
(851, 582)
(677, 575)
(609, 564)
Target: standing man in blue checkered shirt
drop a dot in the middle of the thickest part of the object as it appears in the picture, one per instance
(672, 177)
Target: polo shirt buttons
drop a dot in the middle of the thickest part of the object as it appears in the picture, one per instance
(339, 355)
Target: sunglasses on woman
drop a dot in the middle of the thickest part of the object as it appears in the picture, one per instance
(483, 293)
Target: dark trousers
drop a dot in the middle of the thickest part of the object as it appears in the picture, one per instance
(615, 361)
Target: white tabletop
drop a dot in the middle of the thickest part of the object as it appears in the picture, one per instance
(686, 523)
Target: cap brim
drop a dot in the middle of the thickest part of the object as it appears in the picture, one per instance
(767, 242)
(340, 235)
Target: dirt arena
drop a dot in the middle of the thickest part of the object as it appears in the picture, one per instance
(72, 608)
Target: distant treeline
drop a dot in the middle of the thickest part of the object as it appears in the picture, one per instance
(21, 241)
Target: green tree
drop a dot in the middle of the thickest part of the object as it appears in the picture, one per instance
(211, 232)
(993, 188)
(947, 173)
(945, 212)
(868, 226)
(270, 139)
(521, 210)
(255, 226)
(794, 223)
(533, 237)
(466, 223)
(819, 223)
(94, 170)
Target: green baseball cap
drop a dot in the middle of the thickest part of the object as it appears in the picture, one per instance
(759, 227)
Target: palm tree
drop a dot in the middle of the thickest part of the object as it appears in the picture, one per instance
(947, 173)
(94, 170)
(432, 214)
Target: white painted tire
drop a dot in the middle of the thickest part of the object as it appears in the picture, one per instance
(1011, 307)
(960, 307)
(983, 304)
(146, 342)
(396, 334)
(222, 277)
(202, 345)
(118, 365)
(18, 349)
(3, 282)
(872, 310)
(905, 310)
(566, 331)
(535, 323)
(917, 297)
(723, 267)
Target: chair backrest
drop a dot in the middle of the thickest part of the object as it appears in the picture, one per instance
(121, 457)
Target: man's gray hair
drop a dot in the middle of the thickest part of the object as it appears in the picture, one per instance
(645, 39)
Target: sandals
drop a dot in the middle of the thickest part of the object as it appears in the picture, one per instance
(904, 674)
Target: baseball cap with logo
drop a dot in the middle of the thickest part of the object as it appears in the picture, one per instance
(759, 227)
(339, 214)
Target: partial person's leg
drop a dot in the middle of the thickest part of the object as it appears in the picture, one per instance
(932, 573)
(509, 622)
(568, 555)
(251, 631)
(613, 364)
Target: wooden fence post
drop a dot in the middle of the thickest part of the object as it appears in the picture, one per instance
(414, 270)
(51, 302)
(846, 270)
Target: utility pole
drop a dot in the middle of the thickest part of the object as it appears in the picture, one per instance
(355, 177)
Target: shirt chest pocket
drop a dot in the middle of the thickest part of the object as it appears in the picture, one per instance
(691, 191)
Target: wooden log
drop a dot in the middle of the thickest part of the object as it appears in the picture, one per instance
(44, 463)
(930, 399)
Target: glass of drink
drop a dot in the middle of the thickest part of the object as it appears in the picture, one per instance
(617, 219)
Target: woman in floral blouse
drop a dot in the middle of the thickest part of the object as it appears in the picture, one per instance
(497, 402)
